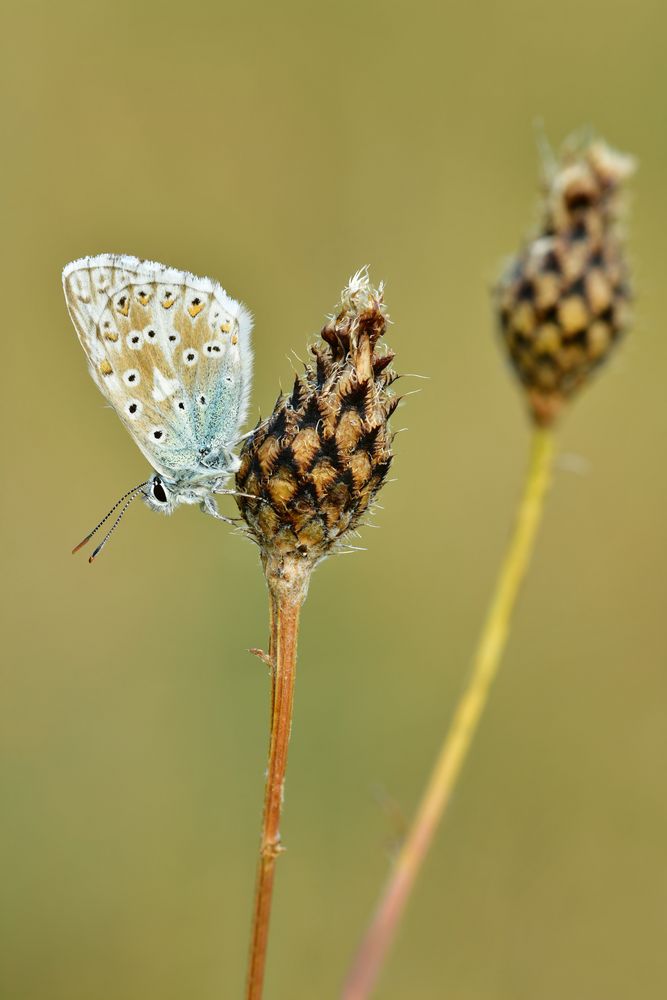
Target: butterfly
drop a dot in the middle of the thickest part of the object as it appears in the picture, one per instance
(171, 352)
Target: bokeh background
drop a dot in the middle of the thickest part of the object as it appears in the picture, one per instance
(278, 147)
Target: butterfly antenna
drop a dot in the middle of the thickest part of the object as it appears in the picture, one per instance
(106, 518)
(112, 528)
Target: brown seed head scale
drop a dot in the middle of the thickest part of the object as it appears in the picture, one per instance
(318, 462)
(564, 301)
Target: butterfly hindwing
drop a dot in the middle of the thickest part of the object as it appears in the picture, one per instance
(170, 351)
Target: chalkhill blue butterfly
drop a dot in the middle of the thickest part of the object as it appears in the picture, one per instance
(171, 352)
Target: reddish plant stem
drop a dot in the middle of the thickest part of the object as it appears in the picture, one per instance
(287, 581)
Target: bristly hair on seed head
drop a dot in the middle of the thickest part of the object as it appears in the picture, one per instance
(563, 303)
(317, 464)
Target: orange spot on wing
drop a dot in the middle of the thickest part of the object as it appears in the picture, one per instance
(235, 339)
(105, 368)
(194, 310)
(224, 327)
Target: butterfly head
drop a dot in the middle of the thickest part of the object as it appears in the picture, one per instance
(160, 496)
(163, 495)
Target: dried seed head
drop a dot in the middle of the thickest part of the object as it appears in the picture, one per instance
(564, 301)
(320, 459)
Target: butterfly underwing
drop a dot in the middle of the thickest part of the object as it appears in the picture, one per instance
(171, 352)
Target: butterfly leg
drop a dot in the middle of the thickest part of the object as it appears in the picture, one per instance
(208, 506)
(249, 434)
(235, 493)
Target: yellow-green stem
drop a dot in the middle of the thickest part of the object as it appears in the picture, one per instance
(379, 936)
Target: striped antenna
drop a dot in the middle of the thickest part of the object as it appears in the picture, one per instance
(106, 518)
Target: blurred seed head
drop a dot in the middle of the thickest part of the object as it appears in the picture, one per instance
(316, 465)
(563, 303)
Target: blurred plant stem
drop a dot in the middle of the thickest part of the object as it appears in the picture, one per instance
(287, 580)
(379, 936)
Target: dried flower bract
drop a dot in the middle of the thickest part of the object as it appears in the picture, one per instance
(318, 462)
(308, 474)
(564, 301)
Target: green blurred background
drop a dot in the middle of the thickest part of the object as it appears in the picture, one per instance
(278, 148)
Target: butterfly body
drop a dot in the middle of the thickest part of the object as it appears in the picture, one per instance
(171, 352)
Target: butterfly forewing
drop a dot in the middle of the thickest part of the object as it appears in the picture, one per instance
(169, 350)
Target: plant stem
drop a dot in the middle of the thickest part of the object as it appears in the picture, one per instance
(379, 936)
(287, 581)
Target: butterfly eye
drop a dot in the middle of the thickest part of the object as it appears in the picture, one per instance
(159, 491)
